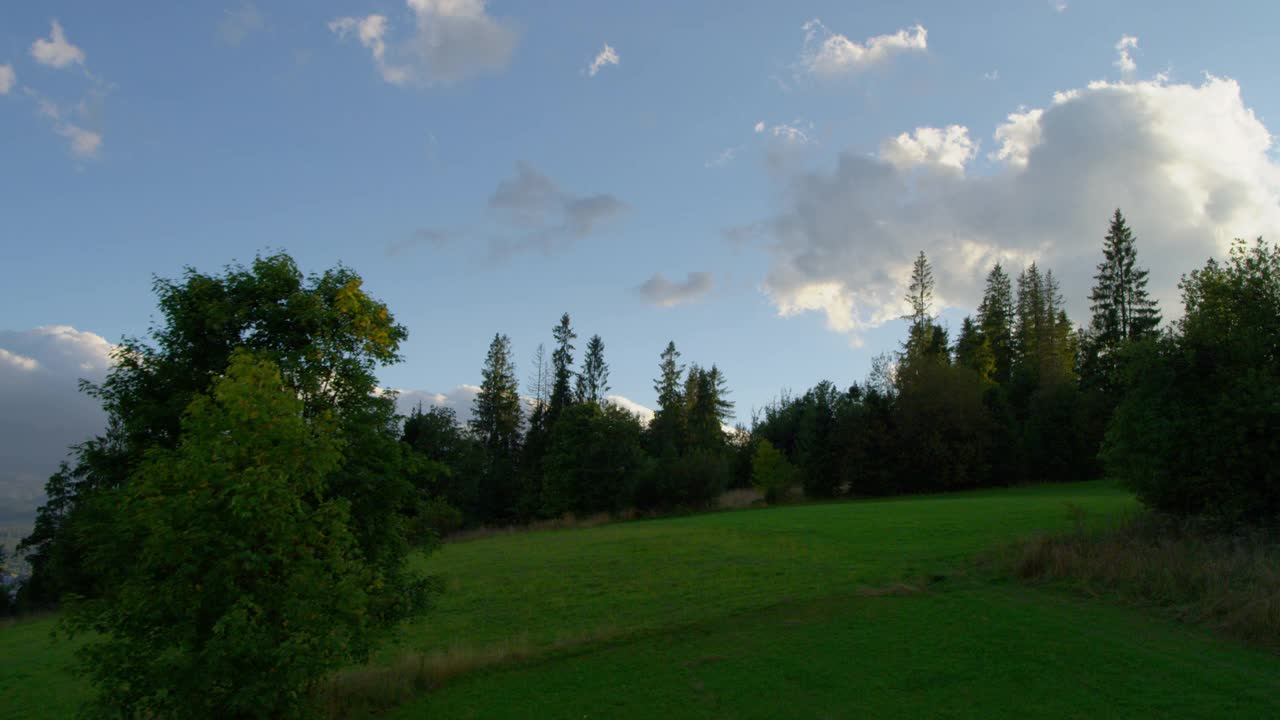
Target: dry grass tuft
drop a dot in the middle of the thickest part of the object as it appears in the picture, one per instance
(1228, 581)
(377, 688)
(740, 498)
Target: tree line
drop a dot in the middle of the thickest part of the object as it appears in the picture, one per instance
(565, 448)
(242, 526)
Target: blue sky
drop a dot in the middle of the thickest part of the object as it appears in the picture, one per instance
(796, 155)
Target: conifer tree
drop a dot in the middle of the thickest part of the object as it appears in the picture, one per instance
(1122, 309)
(920, 296)
(496, 422)
(666, 430)
(973, 350)
(562, 369)
(593, 381)
(496, 416)
(995, 321)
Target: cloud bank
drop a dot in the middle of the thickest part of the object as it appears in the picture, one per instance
(1189, 164)
(42, 411)
(660, 291)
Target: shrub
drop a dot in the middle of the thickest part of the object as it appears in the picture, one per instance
(771, 472)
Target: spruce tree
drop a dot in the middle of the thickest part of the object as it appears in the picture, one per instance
(920, 336)
(1122, 309)
(593, 381)
(995, 321)
(496, 421)
(562, 369)
(973, 350)
(496, 416)
(666, 430)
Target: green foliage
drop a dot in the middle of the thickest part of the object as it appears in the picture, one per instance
(995, 321)
(1198, 431)
(666, 431)
(562, 370)
(245, 584)
(593, 381)
(592, 461)
(496, 422)
(1122, 310)
(771, 473)
(436, 518)
(325, 334)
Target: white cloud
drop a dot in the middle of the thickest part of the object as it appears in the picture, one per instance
(1017, 137)
(607, 56)
(452, 40)
(1058, 5)
(947, 149)
(1124, 61)
(828, 54)
(644, 413)
(57, 51)
(759, 127)
(84, 143)
(237, 23)
(459, 400)
(8, 78)
(1189, 165)
(42, 411)
(660, 291)
(993, 75)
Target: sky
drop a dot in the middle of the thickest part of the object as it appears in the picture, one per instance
(750, 180)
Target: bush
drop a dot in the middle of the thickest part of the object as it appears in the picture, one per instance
(771, 472)
(435, 518)
(1198, 432)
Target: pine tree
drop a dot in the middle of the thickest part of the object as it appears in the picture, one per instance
(593, 381)
(539, 383)
(562, 369)
(1029, 317)
(973, 350)
(1122, 309)
(496, 415)
(995, 321)
(920, 337)
(666, 430)
(496, 419)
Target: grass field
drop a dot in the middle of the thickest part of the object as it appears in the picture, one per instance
(858, 609)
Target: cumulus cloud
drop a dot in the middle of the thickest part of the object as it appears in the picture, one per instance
(8, 78)
(827, 54)
(238, 23)
(56, 51)
(451, 40)
(1124, 61)
(1189, 165)
(945, 149)
(42, 411)
(607, 56)
(660, 291)
(547, 217)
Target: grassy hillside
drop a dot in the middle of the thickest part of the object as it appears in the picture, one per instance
(834, 610)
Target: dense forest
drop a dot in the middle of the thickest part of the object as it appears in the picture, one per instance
(243, 524)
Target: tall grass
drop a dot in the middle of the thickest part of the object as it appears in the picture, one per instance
(1227, 580)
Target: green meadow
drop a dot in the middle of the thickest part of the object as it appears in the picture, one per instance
(841, 610)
